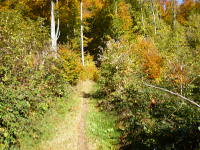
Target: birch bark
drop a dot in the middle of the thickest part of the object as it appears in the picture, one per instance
(142, 15)
(174, 13)
(55, 32)
(154, 16)
(82, 47)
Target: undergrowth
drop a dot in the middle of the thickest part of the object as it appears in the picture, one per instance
(101, 128)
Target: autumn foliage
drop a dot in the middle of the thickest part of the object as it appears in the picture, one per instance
(152, 62)
(134, 43)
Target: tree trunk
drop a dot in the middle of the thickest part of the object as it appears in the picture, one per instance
(55, 33)
(142, 15)
(116, 8)
(174, 13)
(82, 47)
(154, 16)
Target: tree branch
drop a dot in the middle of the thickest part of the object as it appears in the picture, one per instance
(173, 93)
(58, 28)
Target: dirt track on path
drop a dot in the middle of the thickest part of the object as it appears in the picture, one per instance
(70, 134)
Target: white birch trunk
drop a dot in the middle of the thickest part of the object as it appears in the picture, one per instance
(154, 16)
(174, 13)
(55, 33)
(142, 15)
(157, 14)
(82, 47)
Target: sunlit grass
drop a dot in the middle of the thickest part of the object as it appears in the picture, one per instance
(47, 125)
(101, 129)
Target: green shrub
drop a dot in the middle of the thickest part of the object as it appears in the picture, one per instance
(71, 64)
(89, 71)
(149, 118)
(30, 82)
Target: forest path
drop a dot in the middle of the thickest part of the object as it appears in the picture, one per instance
(70, 133)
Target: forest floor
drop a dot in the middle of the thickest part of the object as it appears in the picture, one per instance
(71, 132)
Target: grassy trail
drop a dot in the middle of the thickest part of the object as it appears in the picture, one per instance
(70, 133)
(82, 127)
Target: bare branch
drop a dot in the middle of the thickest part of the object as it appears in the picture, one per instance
(58, 28)
(58, 35)
(173, 93)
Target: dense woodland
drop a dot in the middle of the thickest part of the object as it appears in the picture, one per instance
(144, 55)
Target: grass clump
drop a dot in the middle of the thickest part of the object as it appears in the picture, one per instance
(101, 128)
(48, 124)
